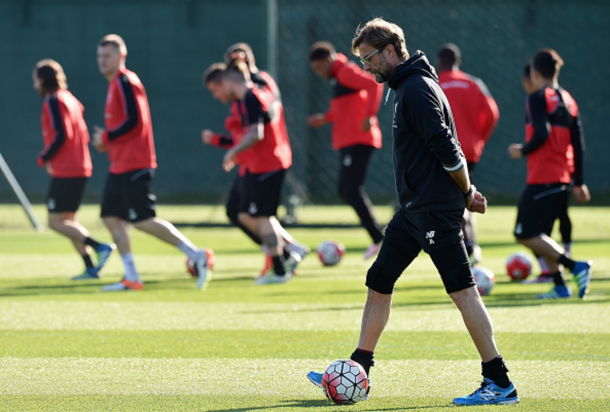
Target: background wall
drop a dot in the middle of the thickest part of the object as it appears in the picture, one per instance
(171, 42)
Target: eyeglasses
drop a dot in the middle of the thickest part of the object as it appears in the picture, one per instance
(367, 59)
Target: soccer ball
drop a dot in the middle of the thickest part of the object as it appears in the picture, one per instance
(519, 266)
(484, 278)
(190, 264)
(330, 252)
(345, 381)
(190, 267)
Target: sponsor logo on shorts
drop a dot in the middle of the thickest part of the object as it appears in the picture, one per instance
(347, 161)
(133, 215)
(51, 204)
(430, 237)
(519, 229)
(252, 209)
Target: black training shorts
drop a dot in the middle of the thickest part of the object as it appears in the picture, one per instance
(438, 233)
(262, 193)
(128, 196)
(65, 194)
(539, 207)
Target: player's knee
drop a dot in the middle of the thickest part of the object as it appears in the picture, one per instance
(232, 214)
(464, 296)
(379, 281)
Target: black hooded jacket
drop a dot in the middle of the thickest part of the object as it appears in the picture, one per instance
(426, 147)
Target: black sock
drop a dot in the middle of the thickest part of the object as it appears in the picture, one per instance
(286, 254)
(567, 262)
(91, 242)
(558, 279)
(364, 358)
(88, 262)
(278, 265)
(496, 370)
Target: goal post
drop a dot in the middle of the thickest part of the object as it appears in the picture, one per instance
(25, 203)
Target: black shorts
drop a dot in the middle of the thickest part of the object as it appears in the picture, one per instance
(539, 206)
(65, 194)
(128, 196)
(262, 193)
(439, 234)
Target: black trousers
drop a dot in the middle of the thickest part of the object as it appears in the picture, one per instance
(354, 163)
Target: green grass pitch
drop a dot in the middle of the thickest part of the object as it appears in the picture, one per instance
(66, 346)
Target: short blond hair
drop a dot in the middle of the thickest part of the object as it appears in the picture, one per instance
(114, 40)
(379, 33)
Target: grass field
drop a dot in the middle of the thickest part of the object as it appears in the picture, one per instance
(66, 346)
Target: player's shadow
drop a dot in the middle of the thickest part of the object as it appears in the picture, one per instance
(322, 403)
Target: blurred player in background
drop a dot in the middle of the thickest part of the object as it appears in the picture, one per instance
(433, 189)
(265, 142)
(476, 115)
(565, 224)
(66, 158)
(355, 131)
(293, 251)
(552, 132)
(128, 139)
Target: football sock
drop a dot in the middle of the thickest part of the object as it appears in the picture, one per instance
(278, 265)
(567, 262)
(364, 358)
(543, 267)
(91, 242)
(88, 261)
(190, 250)
(131, 274)
(497, 371)
(558, 279)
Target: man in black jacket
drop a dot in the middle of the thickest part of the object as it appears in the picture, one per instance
(433, 189)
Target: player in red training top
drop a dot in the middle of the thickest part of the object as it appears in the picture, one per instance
(565, 224)
(355, 132)
(67, 159)
(128, 139)
(213, 80)
(268, 157)
(476, 115)
(553, 129)
(294, 252)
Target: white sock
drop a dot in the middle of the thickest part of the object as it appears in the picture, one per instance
(131, 274)
(542, 263)
(567, 247)
(190, 250)
(265, 250)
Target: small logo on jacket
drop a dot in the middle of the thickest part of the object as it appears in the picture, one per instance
(430, 237)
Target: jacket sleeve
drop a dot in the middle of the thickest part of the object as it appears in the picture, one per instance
(60, 132)
(354, 77)
(224, 140)
(578, 143)
(539, 118)
(489, 113)
(428, 115)
(131, 108)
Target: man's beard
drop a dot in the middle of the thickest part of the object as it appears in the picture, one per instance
(384, 72)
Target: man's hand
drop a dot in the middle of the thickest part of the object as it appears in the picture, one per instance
(228, 163)
(581, 194)
(206, 136)
(97, 139)
(366, 124)
(477, 203)
(514, 151)
(317, 120)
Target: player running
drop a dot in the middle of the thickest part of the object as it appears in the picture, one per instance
(128, 139)
(293, 251)
(552, 132)
(66, 158)
(268, 157)
(476, 115)
(433, 189)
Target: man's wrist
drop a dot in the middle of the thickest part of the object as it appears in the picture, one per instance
(470, 192)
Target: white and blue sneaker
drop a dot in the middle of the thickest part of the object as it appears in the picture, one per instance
(103, 252)
(89, 273)
(316, 379)
(290, 264)
(272, 277)
(582, 276)
(489, 394)
(203, 268)
(558, 292)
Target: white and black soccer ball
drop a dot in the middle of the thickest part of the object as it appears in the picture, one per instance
(484, 278)
(330, 252)
(345, 382)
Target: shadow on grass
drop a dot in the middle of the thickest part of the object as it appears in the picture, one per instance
(299, 405)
